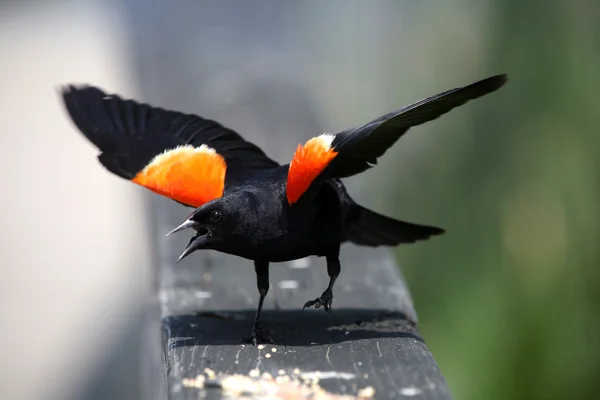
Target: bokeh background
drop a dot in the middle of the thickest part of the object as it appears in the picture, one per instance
(508, 299)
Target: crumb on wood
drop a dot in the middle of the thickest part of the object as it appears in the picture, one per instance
(210, 374)
(410, 391)
(301, 385)
(366, 393)
(267, 376)
(254, 373)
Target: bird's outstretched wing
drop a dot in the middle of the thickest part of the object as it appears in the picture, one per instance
(354, 150)
(181, 156)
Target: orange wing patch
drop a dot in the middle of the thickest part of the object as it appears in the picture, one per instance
(188, 174)
(308, 162)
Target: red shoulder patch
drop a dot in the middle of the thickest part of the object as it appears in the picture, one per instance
(188, 174)
(308, 162)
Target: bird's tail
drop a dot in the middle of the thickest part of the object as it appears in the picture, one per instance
(368, 228)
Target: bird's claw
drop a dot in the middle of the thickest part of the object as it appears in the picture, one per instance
(324, 301)
(258, 336)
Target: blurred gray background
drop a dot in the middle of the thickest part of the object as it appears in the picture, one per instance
(508, 300)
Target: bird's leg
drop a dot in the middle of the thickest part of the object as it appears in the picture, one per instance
(333, 269)
(262, 281)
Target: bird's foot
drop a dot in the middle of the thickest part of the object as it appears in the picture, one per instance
(258, 336)
(324, 301)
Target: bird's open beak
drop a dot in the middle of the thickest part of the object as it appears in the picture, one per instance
(197, 242)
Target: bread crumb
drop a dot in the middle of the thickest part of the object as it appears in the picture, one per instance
(366, 393)
(283, 387)
(254, 373)
(197, 382)
(209, 373)
(267, 376)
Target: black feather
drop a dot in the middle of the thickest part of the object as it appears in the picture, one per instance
(368, 228)
(360, 147)
(130, 134)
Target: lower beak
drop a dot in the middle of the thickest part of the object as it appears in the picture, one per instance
(198, 242)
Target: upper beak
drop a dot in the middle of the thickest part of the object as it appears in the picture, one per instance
(197, 242)
(188, 223)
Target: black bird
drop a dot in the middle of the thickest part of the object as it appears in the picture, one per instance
(246, 203)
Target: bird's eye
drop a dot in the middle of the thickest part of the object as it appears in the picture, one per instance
(215, 216)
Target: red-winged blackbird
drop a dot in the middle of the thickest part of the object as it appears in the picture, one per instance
(246, 203)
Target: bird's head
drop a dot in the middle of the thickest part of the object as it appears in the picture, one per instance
(219, 223)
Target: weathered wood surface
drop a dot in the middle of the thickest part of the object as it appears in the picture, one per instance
(208, 300)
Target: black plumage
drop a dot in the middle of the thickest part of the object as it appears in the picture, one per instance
(253, 218)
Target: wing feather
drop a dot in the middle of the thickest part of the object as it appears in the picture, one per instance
(357, 149)
(131, 136)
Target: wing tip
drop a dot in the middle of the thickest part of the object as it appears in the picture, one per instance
(68, 88)
(77, 96)
(495, 82)
(436, 230)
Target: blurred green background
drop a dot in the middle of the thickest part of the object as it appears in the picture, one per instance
(508, 300)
